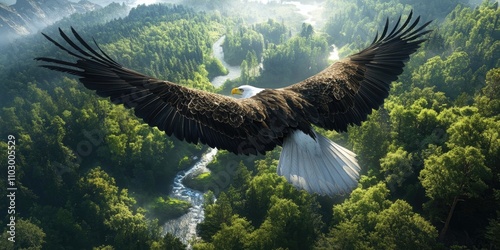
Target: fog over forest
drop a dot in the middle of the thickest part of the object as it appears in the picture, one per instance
(80, 172)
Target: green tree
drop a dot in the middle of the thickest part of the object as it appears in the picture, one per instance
(451, 75)
(488, 101)
(216, 215)
(475, 31)
(234, 235)
(398, 227)
(369, 220)
(108, 210)
(28, 236)
(396, 166)
(451, 176)
(479, 132)
(168, 242)
(307, 30)
(238, 44)
(245, 72)
(272, 31)
(371, 140)
(253, 63)
(295, 60)
(493, 228)
(280, 228)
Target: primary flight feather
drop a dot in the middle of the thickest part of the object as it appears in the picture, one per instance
(341, 95)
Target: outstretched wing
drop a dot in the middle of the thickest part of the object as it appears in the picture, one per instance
(347, 91)
(189, 114)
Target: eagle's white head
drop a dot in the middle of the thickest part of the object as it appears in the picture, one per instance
(246, 91)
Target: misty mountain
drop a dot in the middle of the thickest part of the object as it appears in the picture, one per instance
(28, 16)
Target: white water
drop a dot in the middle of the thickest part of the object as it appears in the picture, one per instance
(184, 227)
(334, 54)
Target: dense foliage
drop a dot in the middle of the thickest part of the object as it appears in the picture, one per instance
(430, 154)
(91, 175)
(238, 44)
(76, 152)
(295, 60)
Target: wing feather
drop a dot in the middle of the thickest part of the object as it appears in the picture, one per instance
(347, 91)
(188, 114)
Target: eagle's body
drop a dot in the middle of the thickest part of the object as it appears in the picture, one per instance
(312, 161)
(341, 95)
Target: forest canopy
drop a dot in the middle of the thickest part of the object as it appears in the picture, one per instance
(90, 175)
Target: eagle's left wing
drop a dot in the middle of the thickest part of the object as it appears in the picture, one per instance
(241, 126)
(347, 91)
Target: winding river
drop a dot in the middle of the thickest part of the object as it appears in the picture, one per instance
(234, 71)
(184, 227)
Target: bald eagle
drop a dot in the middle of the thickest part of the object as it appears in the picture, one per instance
(341, 95)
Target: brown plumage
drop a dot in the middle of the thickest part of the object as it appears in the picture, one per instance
(341, 95)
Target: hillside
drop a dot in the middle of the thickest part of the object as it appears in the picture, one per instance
(29, 16)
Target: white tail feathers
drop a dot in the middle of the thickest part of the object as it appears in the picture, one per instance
(318, 166)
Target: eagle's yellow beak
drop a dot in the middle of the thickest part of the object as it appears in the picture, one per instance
(236, 91)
